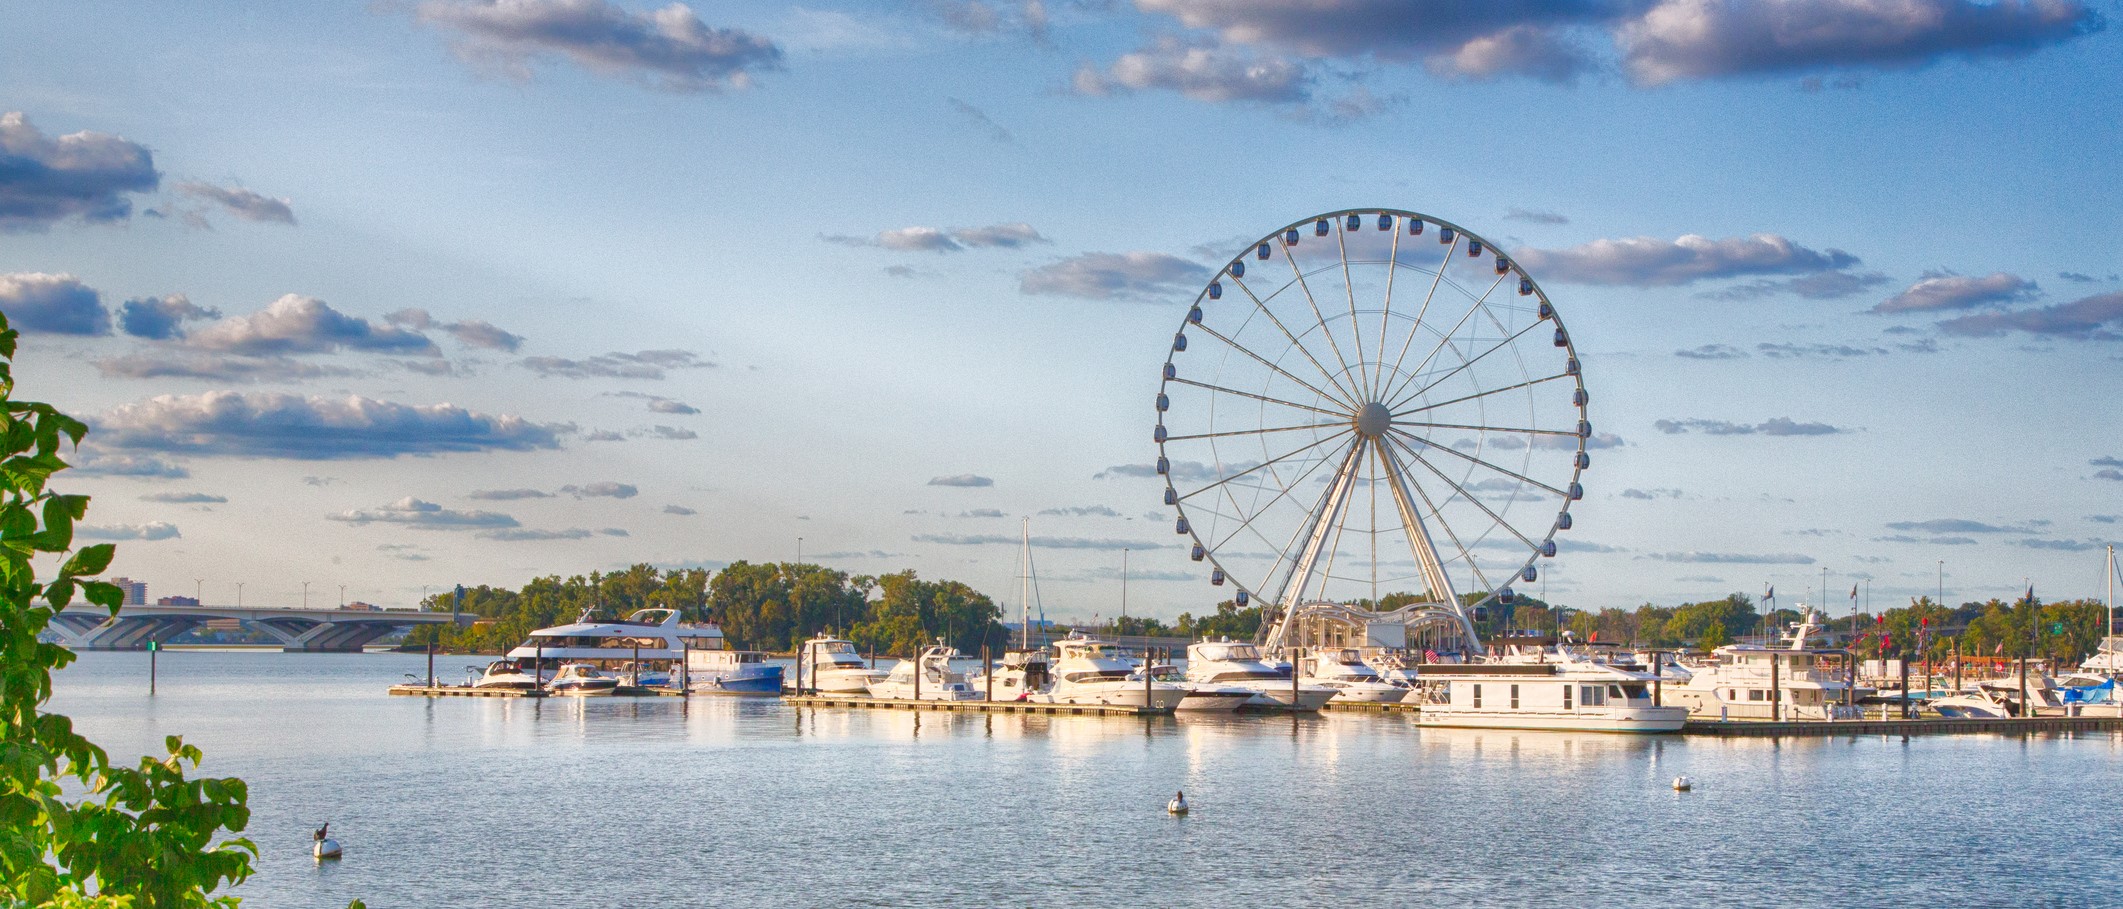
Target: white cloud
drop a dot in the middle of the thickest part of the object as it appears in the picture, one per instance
(423, 515)
(312, 428)
(1111, 276)
(1652, 262)
(53, 304)
(1945, 290)
(152, 530)
(85, 175)
(241, 202)
(669, 48)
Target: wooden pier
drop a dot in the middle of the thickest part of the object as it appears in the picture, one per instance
(820, 700)
(1924, 726)
(467, 691)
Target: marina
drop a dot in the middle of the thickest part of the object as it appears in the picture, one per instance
(1280, 787)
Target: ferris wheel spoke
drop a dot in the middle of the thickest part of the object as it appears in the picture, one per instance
(1477, 358)
(1269, 463)
(1472, 459)
(1385, 316)
(1285, 551)
(1446, 340)
(1439, 517)
(1247, 394)
(1247, 432)
(1347, 396)
(1424, 310)
(1257, 358)
(1534, 432)
(1499, 519)
(1341, 241)
(1332, 344)
(1482, 394)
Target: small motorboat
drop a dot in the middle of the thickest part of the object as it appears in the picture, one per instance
(503, 674)
(582, 680)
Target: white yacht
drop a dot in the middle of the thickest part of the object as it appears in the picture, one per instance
(1754, 681)
(1560, 692)
(830, 665)
(1202, 696)
(1353, 681)
(582, 679)
(1239, 664)
(936, 681)
(646, 641)
(731, 672)
(504, 674)
(2000, 697)
(1089, 671)
(1020, 675)
(2107, 658)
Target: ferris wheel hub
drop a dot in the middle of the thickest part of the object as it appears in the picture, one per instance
(1372, 420)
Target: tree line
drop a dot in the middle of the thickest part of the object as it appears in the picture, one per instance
(760, 606)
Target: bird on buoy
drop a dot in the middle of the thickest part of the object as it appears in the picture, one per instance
(325, 847)
(1683, 784)
(1178, 805)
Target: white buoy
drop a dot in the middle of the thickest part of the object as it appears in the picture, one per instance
(1683, 784)
(326, 847)
(1178, 805)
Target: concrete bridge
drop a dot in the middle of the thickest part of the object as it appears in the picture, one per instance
(86, 626)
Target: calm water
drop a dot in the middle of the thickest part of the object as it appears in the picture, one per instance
(730, 802)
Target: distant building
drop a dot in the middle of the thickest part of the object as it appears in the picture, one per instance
(175, 601)
(364, 607)
(135, 591)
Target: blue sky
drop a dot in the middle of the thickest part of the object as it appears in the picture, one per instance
(407, 294)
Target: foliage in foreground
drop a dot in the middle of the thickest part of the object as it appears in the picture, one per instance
(145, 836)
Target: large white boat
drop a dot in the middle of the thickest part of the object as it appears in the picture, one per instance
(1560, 692)
(731, 672)
(928, 677)
(2107, 658)
(1353, 681)
(645, 642)
(1755, 681)
(1238, 664)
(1090, 671)
(1020, 675)
(830, 665)
(1202, 696)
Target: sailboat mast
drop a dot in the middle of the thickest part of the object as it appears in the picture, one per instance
(1124, 590)
(2111, 589)
(1024, 588)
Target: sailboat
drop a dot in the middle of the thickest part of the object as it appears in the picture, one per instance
(1024, 671)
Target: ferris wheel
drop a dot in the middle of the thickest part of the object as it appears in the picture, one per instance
(1371, 403)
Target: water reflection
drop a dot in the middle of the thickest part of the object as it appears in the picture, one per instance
(713, 801)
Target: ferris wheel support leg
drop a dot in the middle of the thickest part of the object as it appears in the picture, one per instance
(1323, 522)
(1424, 548)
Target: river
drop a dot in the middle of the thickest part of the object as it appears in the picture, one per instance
(608, 802)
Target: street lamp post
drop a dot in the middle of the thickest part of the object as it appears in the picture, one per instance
(199, 590)
(239, 594)
(305, 594)
(342, 596)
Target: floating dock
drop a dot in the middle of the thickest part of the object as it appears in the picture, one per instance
(819, 700)
(1924, 726)
(467, 691)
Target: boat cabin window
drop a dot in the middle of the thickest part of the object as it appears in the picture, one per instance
(1632, 691)
(1566, 696)
(1514, 697)
(1244, 675)
(1477, 696)
(1097, 675)
(1593, 696)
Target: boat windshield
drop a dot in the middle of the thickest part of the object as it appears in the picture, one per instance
(1231, 652)
(833, 647)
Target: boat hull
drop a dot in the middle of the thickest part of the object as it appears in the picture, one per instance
(1125, 694)
(1635, 720)
(760, 680)
(1279, 697)
(1215, 700)
(582, 691)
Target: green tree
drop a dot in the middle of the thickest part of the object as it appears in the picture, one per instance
(144, 836)
(1714, 637)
